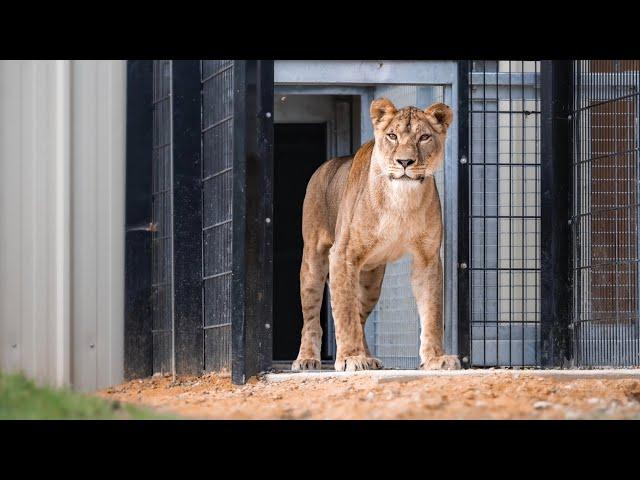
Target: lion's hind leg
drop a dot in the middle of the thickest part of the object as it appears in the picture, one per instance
(313, 276)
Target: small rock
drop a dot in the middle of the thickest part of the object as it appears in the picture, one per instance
(370, 396)
(541, 405)
(481, 404)
(433, 402)
(593, 401)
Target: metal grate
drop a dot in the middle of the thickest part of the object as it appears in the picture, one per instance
(606, 330)
(162, 243)
(217, 190)
(504, 212)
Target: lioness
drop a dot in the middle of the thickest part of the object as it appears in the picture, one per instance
(361, 212)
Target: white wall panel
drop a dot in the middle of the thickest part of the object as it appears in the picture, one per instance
(62, 147)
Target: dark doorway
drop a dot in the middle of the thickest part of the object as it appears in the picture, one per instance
(299, 149)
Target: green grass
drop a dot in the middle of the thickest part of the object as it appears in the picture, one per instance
(20, 398)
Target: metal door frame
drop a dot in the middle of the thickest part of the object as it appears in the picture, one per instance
(346, 77)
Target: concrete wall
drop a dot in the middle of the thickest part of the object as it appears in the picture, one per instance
(62, 164)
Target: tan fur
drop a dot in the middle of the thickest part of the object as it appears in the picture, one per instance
(364, 211)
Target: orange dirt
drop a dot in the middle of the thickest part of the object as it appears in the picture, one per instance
(493, 396)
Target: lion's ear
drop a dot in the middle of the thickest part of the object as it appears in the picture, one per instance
(442, 115)
(382, 110)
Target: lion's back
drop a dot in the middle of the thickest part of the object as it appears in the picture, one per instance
(322, 200)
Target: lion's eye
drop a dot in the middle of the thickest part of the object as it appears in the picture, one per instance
(392, 136)
(425, 137)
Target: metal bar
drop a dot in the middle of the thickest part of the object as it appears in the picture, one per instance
(493, 79)
(530, 217)
(524, 196)
(187, 218)
(605, 102)
(525, 112)
(216, 275)
(209, 227)
(217, 174)
(217, 72)
(556, 85)
(510, 221)
(608, 155)
(138, 355)
(210, 327)
(252, 214)
(484, 209)
(605, 210)
(215, 124)
(464, 290)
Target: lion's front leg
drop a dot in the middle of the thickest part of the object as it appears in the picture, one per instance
(427, 289)
(344, 278)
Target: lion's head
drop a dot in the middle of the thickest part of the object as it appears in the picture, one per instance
(409, 143)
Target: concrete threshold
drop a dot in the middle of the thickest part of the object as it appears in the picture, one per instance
(390, 375)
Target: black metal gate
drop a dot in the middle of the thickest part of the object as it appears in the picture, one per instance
(606, 181)
(500, 279)
(552, 190)
(199, 289)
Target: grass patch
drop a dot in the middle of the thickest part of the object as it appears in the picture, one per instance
(21, 398)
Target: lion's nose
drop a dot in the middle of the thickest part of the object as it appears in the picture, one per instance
(406, 162)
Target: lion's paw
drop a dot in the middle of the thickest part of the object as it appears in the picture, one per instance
(306, 364)
(357, 362)
(444, 362)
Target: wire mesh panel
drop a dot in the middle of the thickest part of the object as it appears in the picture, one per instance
(606, 330)
(217, 178)
(162, 244)
(504, 212)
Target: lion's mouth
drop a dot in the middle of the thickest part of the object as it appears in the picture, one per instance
(407, 178)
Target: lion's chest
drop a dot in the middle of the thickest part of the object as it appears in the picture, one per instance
(394, 237)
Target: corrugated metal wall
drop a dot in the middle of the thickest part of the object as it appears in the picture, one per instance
(62, 151)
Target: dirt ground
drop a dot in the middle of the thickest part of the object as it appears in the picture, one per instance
(496, 395)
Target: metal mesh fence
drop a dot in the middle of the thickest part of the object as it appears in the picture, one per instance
(504, 212)
(217, 194)
(606, 329)
(162, 236)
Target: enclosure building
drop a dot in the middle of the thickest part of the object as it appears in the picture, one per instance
(170, 193)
